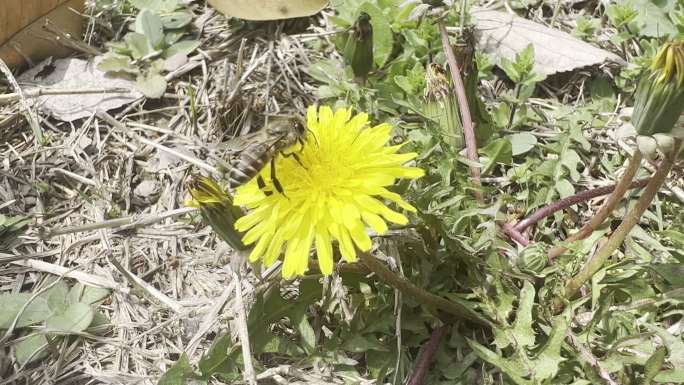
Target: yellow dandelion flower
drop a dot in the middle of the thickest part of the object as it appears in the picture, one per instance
(337, 191)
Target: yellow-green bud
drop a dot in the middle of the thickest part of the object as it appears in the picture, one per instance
(217, 209)
(660, 94)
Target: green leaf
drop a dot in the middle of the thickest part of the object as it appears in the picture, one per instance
(36, 311)
(652, 18)
(673, 273)
(670, 376)
(76, 318)
(383, 38)
(181, 373)
(220, 358)
(308, 336)
(31, 349)
(522, 327)
(360, 344)
(548, 361)
(498, 151)
(56, 296)
(654, 364)
(173, 36)
(159, 6)
(100, 324)
(570, 159)
(564, 188)
(522, 142)
(184, 47)
(113, 62)
(511, 368)
(176, 20)
(87, 294)
(139, 45)
(153, 85)
(150, 24)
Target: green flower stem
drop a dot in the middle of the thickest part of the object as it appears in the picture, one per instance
(421, 295)
(631, 219)
(607, 208)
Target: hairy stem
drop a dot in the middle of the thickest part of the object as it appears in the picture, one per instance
(607, 208)
(421, 295)
(631, 219)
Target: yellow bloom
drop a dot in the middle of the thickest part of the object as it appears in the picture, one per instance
(338, 190)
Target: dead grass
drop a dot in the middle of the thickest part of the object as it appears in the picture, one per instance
(171, 277)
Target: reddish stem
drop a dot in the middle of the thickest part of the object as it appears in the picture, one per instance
(569, 201)
(427, 355)
(514, 234)
(466, 119)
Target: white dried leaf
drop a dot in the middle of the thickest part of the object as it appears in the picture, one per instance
(72, 74)
(504, 35)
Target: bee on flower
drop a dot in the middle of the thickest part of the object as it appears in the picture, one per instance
(336, 189)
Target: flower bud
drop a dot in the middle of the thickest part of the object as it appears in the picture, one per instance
(441, 106)
(660, 93)
(359, 47)
(217, 209)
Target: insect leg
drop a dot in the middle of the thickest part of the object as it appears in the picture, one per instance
(262, 184)
(276, 182)
(294, 155)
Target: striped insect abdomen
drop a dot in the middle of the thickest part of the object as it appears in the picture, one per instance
(248, 164)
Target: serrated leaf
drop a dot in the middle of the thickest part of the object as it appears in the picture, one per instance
(31, 349)
(548, 361)
(522, 142)
(11, 304)
(654, 364)
(498, 151)
(152, 85)
(76, 318)
(181, 373)
(87, 294)
(148, 23)
(177, 19)
(155, 5)
(522, 327)
(184, 47)
(511, 368)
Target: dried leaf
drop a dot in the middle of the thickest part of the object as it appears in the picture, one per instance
(504, 35)
(77, 74)
(22, 34)
(268, 9)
